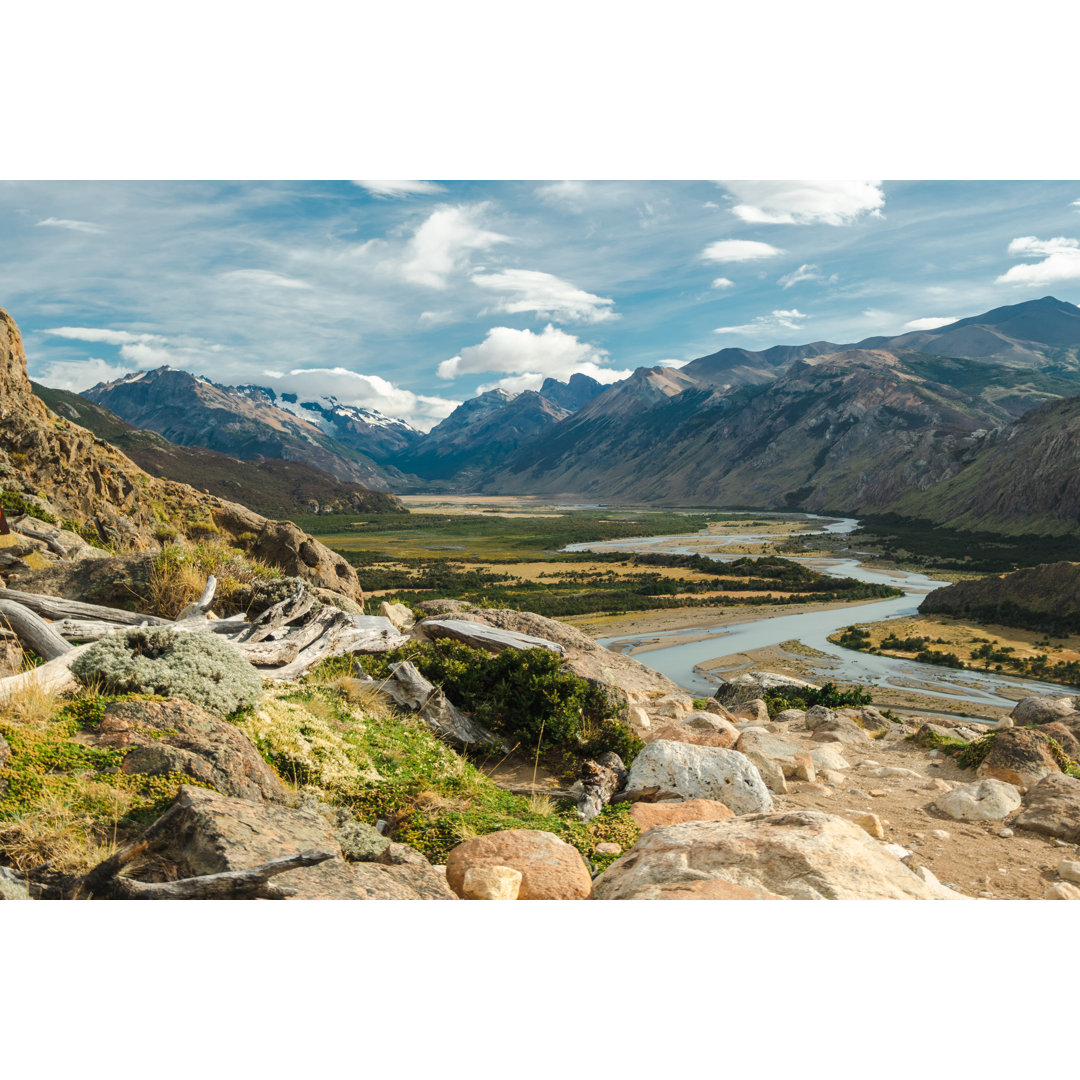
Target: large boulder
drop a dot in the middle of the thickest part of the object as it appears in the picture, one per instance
(985, 800)
(1065, 737)
(1044, 710)
(749, 686)
(1019, 756)
(805, 855)
(771, 746)
(701, 772)
(1052, 807)
(207, 833)
(175, 736)
(550, 868)
(656, 815)
(674, 732)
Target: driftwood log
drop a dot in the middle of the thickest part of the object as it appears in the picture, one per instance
(50, 539)
(53, 677)
(600, 781)
(202, 605)
(33, 632)
(54, 607)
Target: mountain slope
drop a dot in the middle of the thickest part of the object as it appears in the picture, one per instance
(272, 487)
(242, 422)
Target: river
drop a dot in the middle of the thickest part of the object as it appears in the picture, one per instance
(680, 661)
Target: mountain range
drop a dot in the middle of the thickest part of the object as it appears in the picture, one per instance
(968, 423)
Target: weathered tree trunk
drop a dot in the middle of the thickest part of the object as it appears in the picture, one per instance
(53, 677)
(202, 605)
(292, 607)
(32, 631)
(49, 539)
(53, 607)
(600, 780)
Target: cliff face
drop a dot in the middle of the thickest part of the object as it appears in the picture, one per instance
(90, 483)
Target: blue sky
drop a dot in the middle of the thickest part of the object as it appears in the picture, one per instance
(409, 296)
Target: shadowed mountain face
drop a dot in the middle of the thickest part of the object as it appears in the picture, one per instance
(242, 422)
(273, 487)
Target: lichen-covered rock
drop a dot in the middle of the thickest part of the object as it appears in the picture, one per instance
(550, 868)
(656, 815)
(701, 772)
(1044, 710)
(756, 685)
(805, 855)
(151, 660)
(1052, 807)
(986, 800)
(160, 737)
(1020, 756)
(1065, 737)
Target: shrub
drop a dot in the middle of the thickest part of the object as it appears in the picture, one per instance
(180, 572)
(523, 694)
(152, 660)
(806, 697)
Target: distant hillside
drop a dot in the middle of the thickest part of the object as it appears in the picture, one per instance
(1043, 598)
(272, 487)
(243, 422)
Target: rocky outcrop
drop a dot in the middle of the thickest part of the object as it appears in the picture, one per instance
(174, 736)
(700, 772)
(656, 815)
(1052, 807)
(805, 855)
(1045, 710)
(748, 687)
(550, 868)
(1020, 756)
(85, 481)
(986, 800)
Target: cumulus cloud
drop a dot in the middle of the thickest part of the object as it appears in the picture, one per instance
(441, 245)
(521, 352)
(804, 202)
(1059, 261)
(546, 295)
(399, 189)
(78, 375)
(775, 320)
(723, 283)
(265, 277)
(930, 323)
(366, 391)
(725, 251)
(72, 225)
(806, 272)
(146, 350)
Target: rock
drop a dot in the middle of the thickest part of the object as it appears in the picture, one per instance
(374, 881)
(1052, 807)
(176, 736)
(1005, 833)
(707, 722)
(829, 757)
(804, 855)
(653, 815)
(672, 706)
(869, 719)
(877, 793)
(1069, 869)
(399, 614)
(986, 800)
(940, 834)
(207, 833)
(832, 777)
(443, 607)
(550, 869)
(937, 784)
(671, 731)
(755, 710)
(491, 883)
(5, 752)
(701, 772)
(1043, 710)
(872, 824)
(837, 728)
(765, 744)
(608, 849)
(804, 768)
(478, 636)
(928, 733)
(749, 686)
(885, 771)
(714, 706)
(790, 716)
(1064, 737)
(360, 842)
(1019, 756)
(818, 715)
(638, 720)
(1063, 890)
(798, 787)
(770, 771)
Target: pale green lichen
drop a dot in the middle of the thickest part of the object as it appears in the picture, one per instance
(156, 660)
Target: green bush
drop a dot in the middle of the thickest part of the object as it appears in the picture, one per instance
(523, 694)
(806, 697)
(156, 660)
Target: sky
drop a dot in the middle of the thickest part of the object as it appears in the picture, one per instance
(411, 296)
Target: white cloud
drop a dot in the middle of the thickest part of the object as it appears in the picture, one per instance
(72, 225)
(930, 323)
(514, 384)
(806, 272)
(671, 363)
(804, 202)
(724, 251)
(570, 194)
(546, 295)
(775, 320)
(441, 245)
(437, 318)
(723, 283)
(1076, 203)
(399, 189)
(1060, 261)
(102, 336)
(521, 352)
(367, 391)
(80, 375)
(265, 277)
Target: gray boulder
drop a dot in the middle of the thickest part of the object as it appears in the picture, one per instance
(985, 800)
(1052, 807)
(701, 772)
(1044, 710)
(747, 687)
